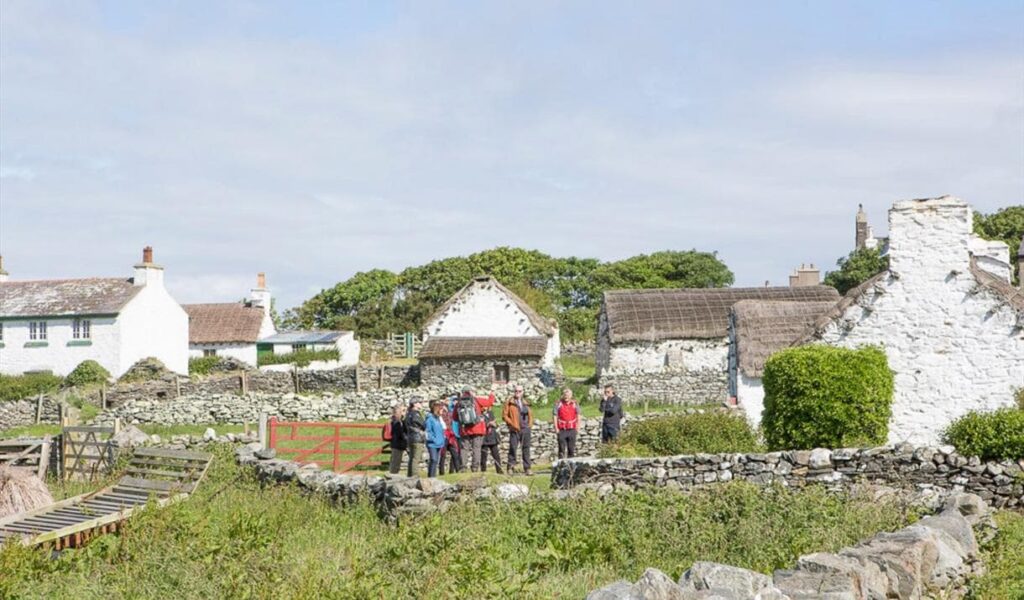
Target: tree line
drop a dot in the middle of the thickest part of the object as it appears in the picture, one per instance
(377, 302)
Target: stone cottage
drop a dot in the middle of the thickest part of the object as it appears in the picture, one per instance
(672, 345)
(485, 334)
(951, 324)
(231, 329)
(54, 325)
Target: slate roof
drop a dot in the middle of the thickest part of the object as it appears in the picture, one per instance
(225, 323)
(662, 314)
(484, 347)
(539, 323)
(66, 297)
(304, 337)
(763, 327)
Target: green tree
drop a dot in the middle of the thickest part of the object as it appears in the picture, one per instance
(666, 269)
(1005, 225)
(857, 268)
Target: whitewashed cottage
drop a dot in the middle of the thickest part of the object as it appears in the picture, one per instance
(945, 313)
(672, 345)
(487, 334)
(231, 329)
(287, 342)
(54, 325)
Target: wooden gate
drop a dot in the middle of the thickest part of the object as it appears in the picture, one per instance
(342, 446)
(87, 452)
(33, 454)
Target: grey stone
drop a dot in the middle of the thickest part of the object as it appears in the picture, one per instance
(807, 585)
(655, 585)
(512, 491)
(820, 458)
(266, 453)
(209, 435)
(619, 590)
(709, 575)
(129, 437)
(865, 577)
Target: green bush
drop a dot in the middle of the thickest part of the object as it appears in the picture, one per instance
(16, 387)
(87, 372)
(995, 435)
(202, 365)
(300, 358)
(826, 397)
(709, 432)
(1018, 398)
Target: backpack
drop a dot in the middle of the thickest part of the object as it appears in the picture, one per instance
(385, 432)
(466, 408)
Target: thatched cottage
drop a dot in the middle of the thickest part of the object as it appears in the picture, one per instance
(673, 344)
(487, 334)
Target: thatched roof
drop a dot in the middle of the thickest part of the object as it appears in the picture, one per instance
(484, 347)
(652, 315)
(1012, 296)
(763, 327)
(21, 491)
(544, 326)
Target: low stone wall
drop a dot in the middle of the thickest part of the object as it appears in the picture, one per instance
(18, 413)
(933, 558)
(674, 387)
(385, 376)
(456, 373)
(1001, 484)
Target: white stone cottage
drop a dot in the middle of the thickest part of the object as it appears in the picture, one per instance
(950, 323)
(53, 325)
(672, 345)
(486, 333)
(286, 342)
(231, 329)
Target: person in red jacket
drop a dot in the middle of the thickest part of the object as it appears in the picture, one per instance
(472, 427)
(567, 422)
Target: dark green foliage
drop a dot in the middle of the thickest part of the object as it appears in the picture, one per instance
(237, 538)
(378, 302)
(826, 397)
(202, 365)
(300, 358)
(87, 372)
(857, 268)
(995, 435)
(17, 387)
(710, 432)
(1005, 225)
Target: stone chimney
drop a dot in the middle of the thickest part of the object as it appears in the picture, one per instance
(3, 274)
(147, 272)
(260, 296)
(929, 239)
(862, 231)
(805, 276)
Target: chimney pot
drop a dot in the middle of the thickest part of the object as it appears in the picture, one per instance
(147, 255)
(261, 280)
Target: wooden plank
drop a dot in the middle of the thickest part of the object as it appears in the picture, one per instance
(149, 484)
(177, 463)
(60, 504)
(166, 453)
(85, 429)
(178, 475)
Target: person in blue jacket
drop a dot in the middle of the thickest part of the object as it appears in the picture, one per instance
(435, 438)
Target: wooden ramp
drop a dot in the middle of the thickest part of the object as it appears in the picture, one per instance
(162, 475)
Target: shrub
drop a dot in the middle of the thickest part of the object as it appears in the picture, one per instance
(710, 432)
(300, 358)
(87, 372)
(147, 369)
(202, 365)
(16, 387)
(995, 435)
(821, 396)
(1018, 398)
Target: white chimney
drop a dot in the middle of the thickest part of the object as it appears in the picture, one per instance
(3, 274)
(992, 256)
(929, 239)
(147, 272)
(260, 295)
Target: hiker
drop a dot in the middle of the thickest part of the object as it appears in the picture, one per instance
(491, 441)
(567, 420)
(415, 435)
(471, 426)
(611, 411)
(450, 452)
(397, 441)
(435, 438)
(519, 418)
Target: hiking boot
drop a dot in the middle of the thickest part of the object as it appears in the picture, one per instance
(498, 469)
(528, 473)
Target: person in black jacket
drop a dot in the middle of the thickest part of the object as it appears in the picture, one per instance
(611, 410)
(491, 442)
(415, 435)
(398, 441)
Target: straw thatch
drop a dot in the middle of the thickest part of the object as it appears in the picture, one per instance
(762, 328)
(653, 315)
(21, 491)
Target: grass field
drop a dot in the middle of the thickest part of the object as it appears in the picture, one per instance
(237, 539)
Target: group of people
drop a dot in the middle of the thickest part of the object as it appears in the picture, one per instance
(460, 431)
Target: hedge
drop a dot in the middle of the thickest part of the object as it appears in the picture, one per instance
(300, 358)
(17, 387)
(711, 433)
(826, 397)
(996, 435)
(87, 372)
(202, 365)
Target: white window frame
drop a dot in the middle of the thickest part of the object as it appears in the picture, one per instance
(81, 329)
(209, 352)
(37, 331)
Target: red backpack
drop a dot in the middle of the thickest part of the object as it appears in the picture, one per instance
(385, 432)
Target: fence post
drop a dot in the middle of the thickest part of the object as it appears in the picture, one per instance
(245, 383)
(103, 397)
(337, 443)
(295, 377)
(380, 378)
(39, 408)
(262, 425)
(272, 427)
(117, 425)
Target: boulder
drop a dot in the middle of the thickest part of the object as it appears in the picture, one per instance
(209, 435)
(709, 575)
(266, 453)
(619, 590)
(655, 585)
(512, 491)
(129, 437)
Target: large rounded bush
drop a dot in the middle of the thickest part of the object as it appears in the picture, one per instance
(86, 373)
(711, 433)
(995, 435)
(826, 397)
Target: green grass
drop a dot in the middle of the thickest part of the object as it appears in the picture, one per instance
(537, 483)
(578, 367)
(235, 538)
(1004, 562)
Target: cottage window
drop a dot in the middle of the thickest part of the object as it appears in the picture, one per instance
(501, 373)
(37, 330)
(298, 347)
(1, 332)
(209, 352)
(81, 329)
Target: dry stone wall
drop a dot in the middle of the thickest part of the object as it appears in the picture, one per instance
(1000, 484)
(480, 373)
(18, 413)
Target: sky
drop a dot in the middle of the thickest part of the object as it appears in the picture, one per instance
(315, 140)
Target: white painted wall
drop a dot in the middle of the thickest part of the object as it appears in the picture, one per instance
(667, 356)
(953, 348)
(750, 397)
(243, 352)
(57, 356)
(346, 345)
(154, 324)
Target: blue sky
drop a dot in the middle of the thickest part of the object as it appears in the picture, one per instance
(315, 140)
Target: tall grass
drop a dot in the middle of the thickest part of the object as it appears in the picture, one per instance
(236, 539)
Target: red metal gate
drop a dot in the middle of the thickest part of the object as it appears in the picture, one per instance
(326, 443)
